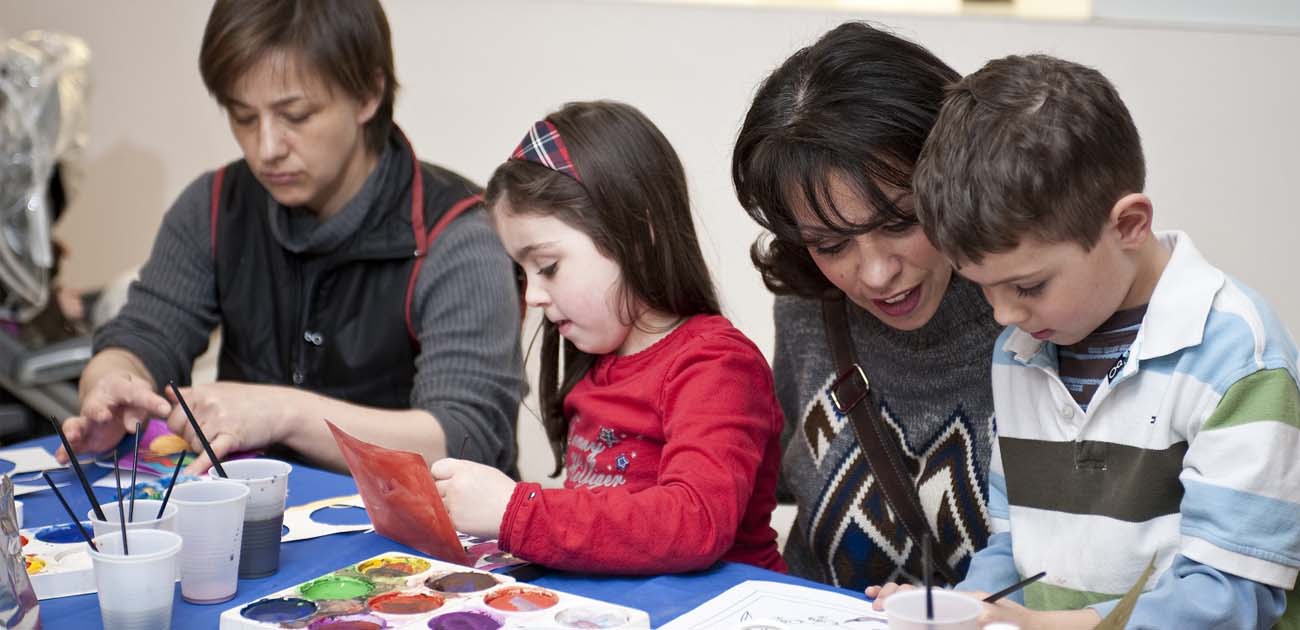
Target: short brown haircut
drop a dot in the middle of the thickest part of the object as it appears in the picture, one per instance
(344, 42)
(1028, 146)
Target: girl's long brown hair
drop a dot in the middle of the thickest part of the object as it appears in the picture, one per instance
(633, 204)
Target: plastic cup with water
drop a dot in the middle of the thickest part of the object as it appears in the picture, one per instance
(136, 590)
(952, 611)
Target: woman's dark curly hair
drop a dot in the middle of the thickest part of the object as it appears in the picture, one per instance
(857, 104)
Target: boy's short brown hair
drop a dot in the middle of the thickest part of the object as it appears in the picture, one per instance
(346, 43)
(1028, 146)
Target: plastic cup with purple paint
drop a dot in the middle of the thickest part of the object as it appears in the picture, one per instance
(210, 519)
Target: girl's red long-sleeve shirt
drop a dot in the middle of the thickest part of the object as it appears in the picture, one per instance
(671, 464)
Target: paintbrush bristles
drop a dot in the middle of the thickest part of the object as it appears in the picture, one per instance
(76, 467)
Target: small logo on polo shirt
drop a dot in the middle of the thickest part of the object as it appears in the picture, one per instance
(1117, 368)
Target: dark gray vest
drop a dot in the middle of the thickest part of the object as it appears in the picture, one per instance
(345, 331)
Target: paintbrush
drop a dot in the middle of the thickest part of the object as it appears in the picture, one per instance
(203, 439)
(1015, 587)
(121, 514)
(76, 467)
(135, 466)
(68, 508)
(176, 472)
(927, 567)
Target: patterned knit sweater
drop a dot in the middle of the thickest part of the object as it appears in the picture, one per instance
(932, 385)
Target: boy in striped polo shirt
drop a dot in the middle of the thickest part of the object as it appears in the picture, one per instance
(1146, 402)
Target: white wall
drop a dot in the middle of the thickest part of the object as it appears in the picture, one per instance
(1217, 110)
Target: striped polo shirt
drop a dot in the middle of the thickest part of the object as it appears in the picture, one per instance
(1191, 447)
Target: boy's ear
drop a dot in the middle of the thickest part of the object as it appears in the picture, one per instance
(1130, 217)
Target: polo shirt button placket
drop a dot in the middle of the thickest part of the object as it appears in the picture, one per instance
(1067, 414)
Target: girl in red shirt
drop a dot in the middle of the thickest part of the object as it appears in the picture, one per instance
(662, 415)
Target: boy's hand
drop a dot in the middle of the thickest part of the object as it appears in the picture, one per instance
(880, 593)
(1007, 611)
(475, 495)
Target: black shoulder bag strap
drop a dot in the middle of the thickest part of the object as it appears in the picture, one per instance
(849, 392)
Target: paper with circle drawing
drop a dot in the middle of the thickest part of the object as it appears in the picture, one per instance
(400, 497)
(302, 527)
(762, 604)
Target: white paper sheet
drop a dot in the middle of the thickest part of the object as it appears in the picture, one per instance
(21, 489)
(29, 459)
(760, 605)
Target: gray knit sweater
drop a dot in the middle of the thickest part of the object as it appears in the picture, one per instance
(469, 372)
(932, 387)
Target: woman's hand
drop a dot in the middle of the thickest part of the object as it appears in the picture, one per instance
(880, 593)
(109, 409)
(234, 417)
(475, 495)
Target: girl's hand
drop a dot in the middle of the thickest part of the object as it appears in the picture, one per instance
(475, 495)
(880, 593)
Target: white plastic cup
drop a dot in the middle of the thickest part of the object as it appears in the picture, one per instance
(268, 484)
(136, 590)
(952, 611)
(210, 519)
(146, 512)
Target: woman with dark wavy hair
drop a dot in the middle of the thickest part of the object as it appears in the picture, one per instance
(824, 162)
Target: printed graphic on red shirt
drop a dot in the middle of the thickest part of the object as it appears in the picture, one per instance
(596, 463)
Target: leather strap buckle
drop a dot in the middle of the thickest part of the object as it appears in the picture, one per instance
(845, 379)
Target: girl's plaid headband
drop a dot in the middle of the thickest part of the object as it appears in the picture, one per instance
(543, 145)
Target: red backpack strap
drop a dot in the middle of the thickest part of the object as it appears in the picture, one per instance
(217, 179)
(424, 241)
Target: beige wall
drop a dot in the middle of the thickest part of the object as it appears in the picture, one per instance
(1217, 110)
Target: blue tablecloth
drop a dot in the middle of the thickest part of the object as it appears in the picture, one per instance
(665, 597)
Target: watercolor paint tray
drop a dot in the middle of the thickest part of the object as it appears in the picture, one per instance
(400, 590)
(58, 560)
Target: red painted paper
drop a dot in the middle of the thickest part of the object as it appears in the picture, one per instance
(400, 497)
